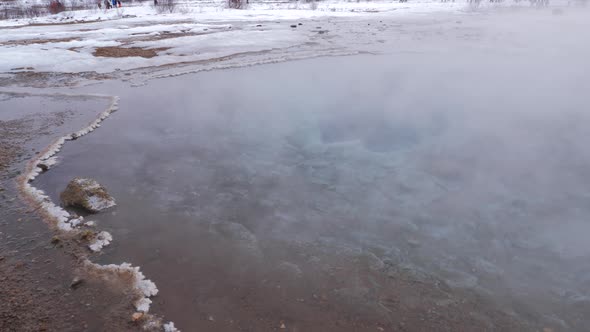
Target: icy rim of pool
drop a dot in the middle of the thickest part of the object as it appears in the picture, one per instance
(66, 223)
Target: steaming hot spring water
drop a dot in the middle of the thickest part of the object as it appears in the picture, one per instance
(275, 192)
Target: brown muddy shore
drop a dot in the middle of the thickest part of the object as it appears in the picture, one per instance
(37, 266)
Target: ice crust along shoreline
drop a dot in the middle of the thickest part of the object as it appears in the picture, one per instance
(36, 197)
(207, 33)
(58, 217)
(102, 240)
(145, 287)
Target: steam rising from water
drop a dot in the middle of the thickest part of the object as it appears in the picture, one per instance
(465, 160)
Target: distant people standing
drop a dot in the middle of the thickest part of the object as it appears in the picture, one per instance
(119, 3)
(155, 2)
(115, 3)
(107, 4)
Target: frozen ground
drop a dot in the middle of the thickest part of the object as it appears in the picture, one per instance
(124, 42)
(202, 34)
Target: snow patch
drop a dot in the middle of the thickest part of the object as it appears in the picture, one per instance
(169, 327)
(48, 163)
(76, 221)
(143, 304)
(102, 240)
(144, 287)
(99, 203)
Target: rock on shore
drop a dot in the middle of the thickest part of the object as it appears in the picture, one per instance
(87, 194)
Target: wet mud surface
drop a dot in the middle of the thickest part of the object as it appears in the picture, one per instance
(121, 52)
(37, 265)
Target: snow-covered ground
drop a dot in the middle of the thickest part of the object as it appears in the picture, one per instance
(70, 42)
(217, 9)
(199, 33)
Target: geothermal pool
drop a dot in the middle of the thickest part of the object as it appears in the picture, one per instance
(354, 193)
